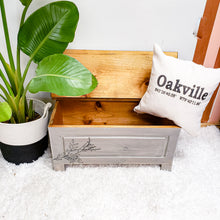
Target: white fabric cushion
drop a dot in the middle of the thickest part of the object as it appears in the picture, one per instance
(178, 90)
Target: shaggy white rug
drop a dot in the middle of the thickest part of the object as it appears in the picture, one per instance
(190, 192)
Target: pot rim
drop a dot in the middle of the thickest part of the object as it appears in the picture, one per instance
(28, 132)
(46, 107)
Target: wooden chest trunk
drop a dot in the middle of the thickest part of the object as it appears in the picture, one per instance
(101, 128)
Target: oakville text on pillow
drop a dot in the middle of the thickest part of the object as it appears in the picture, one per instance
(195, 92)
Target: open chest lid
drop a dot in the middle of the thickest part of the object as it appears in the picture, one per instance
(120, 74)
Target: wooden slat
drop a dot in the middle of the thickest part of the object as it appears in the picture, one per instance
(120, 74)
(57, 115)
(204, 34)
(205, 30)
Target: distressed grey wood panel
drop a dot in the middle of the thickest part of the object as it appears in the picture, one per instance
(114, 160)
(62, 156)
(96, 146)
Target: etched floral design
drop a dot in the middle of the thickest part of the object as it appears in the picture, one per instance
(72, 154)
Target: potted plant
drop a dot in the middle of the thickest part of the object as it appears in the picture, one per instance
(43, 36)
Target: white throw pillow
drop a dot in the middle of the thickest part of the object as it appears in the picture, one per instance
(178, 90)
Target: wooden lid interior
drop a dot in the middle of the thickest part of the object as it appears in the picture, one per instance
(120, 74)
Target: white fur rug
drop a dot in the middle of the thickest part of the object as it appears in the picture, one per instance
(190, 192)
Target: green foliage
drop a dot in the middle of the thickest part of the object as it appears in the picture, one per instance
(6, 111)
(43, 36)
(25, 2)
(48, 30)
(62, 75)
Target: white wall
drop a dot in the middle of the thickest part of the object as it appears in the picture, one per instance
(125, 24)
(136, 25)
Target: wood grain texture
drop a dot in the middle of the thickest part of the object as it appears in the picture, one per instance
(57, 115)
(101, 128)
(217, 62)
(204, 33)
(205, 30)
(120, 74)
(103, 112)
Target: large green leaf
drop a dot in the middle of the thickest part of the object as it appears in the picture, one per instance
(62, 75)
(25, 2)
(5, 111)
(49, 30)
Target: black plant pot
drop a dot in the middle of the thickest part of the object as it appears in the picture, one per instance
(24, 153)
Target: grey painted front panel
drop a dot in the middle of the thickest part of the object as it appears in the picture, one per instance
(98, 146)
(105, 145)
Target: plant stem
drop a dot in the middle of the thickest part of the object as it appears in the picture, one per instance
(3, 97)
(11, 102)
(29, 63)
(12, 120)
(6, 84)
(24, 76)
(26, 89)
(5, 92)
(18, 48)
(21, 112)
(5, 26)
(10, 74)
(20, 99)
